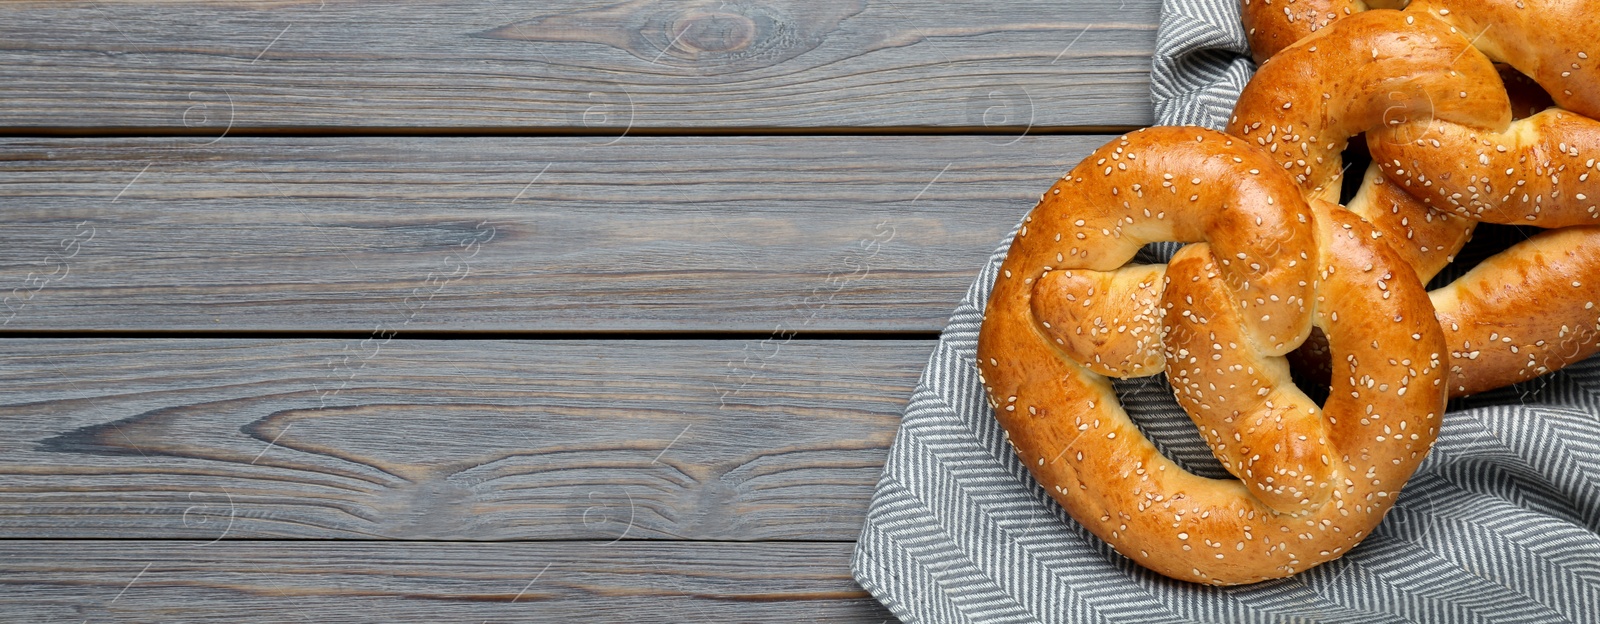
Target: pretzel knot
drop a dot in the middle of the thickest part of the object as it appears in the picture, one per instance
(1266, 266)
(1448, 152)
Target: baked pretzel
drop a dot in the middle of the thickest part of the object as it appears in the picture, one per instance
(1438, 121)
(1551, 41)
(1267, 266)
(1275, 257)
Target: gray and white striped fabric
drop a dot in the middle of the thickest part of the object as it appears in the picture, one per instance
(1500, 524)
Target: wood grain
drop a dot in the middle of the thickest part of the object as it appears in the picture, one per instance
(293, 582)
(509, 234)
(204, 67)
(447, 439)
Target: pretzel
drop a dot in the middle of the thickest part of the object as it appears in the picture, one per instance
(1549, 40)
(1439, 124)
(1266, 266)
(1275, 257)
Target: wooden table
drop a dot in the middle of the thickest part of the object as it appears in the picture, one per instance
(350, 311)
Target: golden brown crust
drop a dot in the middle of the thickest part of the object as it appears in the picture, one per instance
(1437, 119)
(1108, 321)
(1273, 25)
(1532, 309)
(1271, 267)
(1542, 171)
(1378, 69)
(1553, 42)
(1427, 239)
(1266, 433)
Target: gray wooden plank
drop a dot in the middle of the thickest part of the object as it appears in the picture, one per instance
(205, 67)
(232, 581)
(832, 233)
(446, 439)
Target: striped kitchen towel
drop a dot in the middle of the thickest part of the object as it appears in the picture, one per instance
(1500, 524)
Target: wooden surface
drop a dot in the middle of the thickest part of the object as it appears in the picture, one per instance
(201, 68)
(490, 311)
(448, 439)
(515, 234)
(352, 581)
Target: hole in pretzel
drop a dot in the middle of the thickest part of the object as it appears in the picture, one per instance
(1150, 405)
(1356, 159)
(1527, 97)
(1311, 367)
